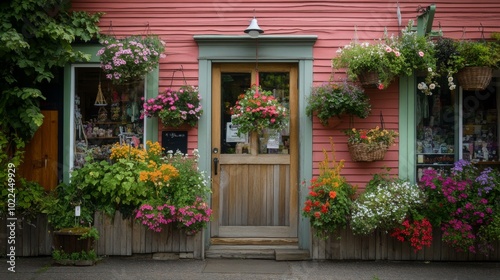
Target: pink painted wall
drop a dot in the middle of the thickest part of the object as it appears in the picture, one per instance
(335, 23)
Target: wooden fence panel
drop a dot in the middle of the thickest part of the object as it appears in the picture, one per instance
(381, 246)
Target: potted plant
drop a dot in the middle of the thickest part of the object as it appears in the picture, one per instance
(369, 144)
(474, 63)
(175, 108)
(330, 197)
(373, 64)
(130, 58)
(337, 99)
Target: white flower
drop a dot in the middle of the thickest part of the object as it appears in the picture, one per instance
(450, 79)
(432, 86)
(453, 87)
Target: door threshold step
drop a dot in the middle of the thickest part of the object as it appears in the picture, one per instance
(288, 253)
(267, 254)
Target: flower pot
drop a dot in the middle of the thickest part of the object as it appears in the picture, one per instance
(334, 122)
(474, 78)
(369, 79)
(367, 152)
(68, 241)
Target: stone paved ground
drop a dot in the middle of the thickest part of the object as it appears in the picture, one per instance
(124, 268)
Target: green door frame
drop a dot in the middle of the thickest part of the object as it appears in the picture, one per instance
(271, 48)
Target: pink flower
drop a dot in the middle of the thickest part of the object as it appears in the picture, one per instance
(421, 53)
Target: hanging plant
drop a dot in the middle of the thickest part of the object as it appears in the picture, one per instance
(258, 109)
(338, 99)
(175, 108)
(130, 58)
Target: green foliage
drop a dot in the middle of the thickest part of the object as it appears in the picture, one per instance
(30, 199)
(91, 232)
(35, 39)
(60, 255)
(191, 182)
(59, 206)
(336, 99)
(475, 53)
(120, 184)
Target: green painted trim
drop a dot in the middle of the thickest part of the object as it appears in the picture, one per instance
(272, 48)
(151, 125)
(67, 119)
(407, 128)
(305, 148)
(204, 127)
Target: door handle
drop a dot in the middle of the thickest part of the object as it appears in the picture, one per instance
(216, 165)
(45, 161)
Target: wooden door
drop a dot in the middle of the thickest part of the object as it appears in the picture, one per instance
(254, 196)
(40, 157)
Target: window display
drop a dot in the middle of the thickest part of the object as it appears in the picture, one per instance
(105, 114)
(480, 126)
(435, 118)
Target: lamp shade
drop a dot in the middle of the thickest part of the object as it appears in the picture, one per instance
(253, 29)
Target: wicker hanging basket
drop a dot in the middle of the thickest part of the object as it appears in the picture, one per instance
(474, 78)
(368, 79)
(367, 152)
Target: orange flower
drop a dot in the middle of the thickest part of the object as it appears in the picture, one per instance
(333, 194)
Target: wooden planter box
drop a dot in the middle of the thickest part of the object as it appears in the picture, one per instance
(68, 241)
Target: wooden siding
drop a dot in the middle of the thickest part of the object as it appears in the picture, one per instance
(335, 23)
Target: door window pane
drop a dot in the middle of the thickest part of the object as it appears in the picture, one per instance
(233, 84)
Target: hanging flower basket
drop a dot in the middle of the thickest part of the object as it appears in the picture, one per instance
(367, 152)
(369, 79)
(474, 78)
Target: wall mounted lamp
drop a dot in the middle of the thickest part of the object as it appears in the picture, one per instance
(253, 29)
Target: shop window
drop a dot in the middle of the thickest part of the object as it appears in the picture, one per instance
(103, 120)
(480, 125)
(435, 119)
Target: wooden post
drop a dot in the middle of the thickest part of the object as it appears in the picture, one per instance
(254, 143)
